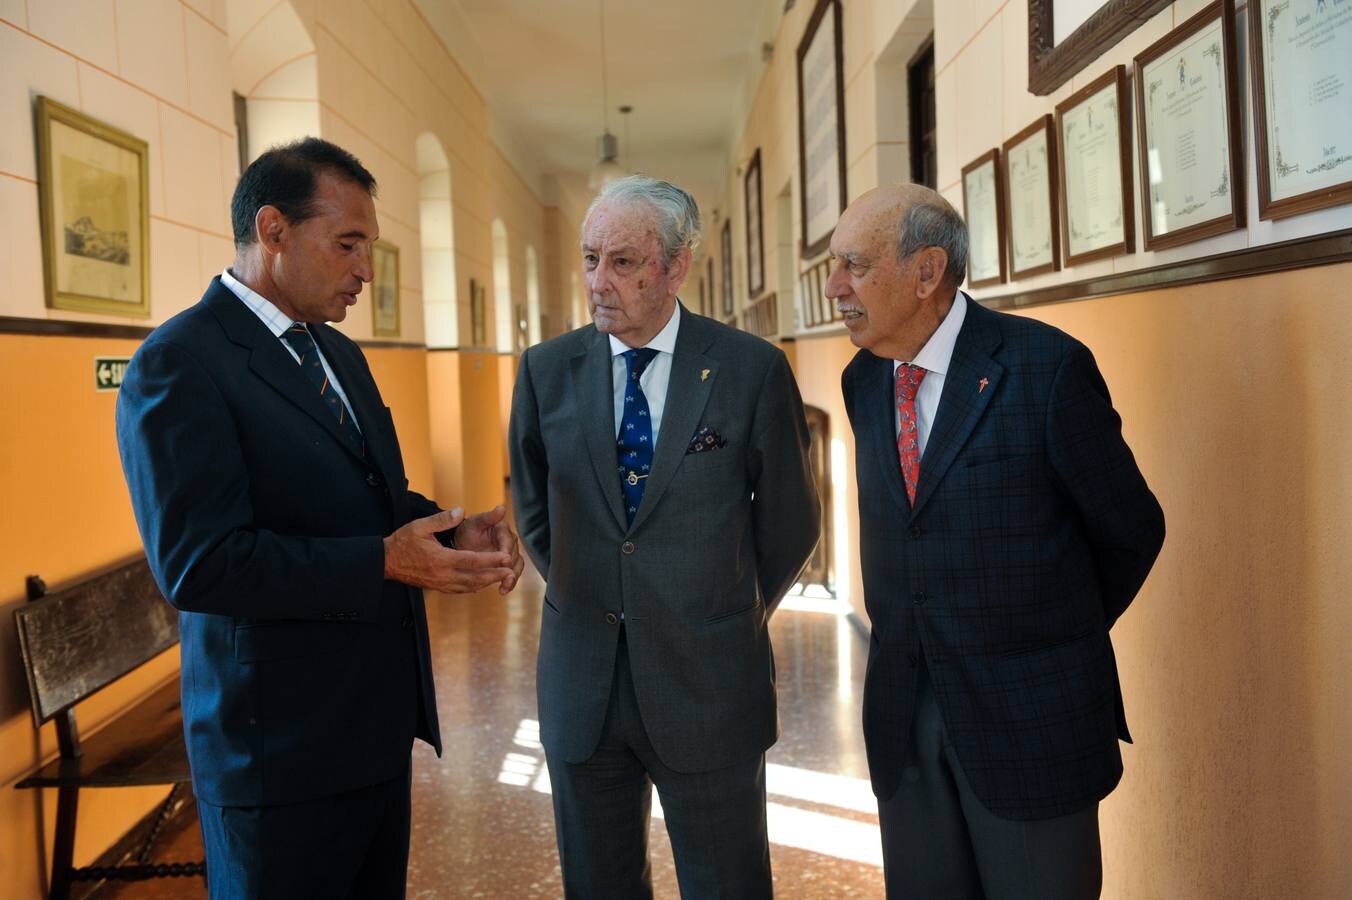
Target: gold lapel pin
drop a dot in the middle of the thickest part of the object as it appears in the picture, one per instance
(704, 375)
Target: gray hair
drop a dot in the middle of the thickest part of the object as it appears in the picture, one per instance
(929, 224)
(678, 223)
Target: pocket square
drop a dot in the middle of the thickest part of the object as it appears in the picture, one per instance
(706, 439)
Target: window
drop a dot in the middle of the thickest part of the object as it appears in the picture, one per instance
(920, 88)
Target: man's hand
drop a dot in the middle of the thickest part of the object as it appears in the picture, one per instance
(488, 531)
(414, 556)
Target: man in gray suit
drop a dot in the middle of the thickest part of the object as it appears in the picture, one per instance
(661, 482)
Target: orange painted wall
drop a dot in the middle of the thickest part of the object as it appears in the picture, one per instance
(447, 427)
(485, 445)
(66, 512)
(401, 373)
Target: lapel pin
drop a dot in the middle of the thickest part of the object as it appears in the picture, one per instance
(704, 375)
(982, 385)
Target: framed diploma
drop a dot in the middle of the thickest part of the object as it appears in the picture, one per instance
(821, 126)
(982, 181)
(1030, 200)
(1094, 153)
(1302, 86)
(1187, 103)
(755, 247)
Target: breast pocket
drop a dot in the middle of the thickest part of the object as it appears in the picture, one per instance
(708, 459)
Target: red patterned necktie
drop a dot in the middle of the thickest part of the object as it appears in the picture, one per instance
(908, 439)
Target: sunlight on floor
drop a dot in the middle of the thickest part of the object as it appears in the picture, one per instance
(834, 815)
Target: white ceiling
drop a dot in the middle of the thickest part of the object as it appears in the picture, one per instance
(686, 66)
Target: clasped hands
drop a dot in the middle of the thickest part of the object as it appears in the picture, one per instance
(485, 553)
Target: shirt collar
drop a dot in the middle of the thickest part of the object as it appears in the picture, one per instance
(276, 320)
(663, 342)
(937, 354)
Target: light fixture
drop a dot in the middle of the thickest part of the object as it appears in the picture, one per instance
(628, 147)
(606, 169)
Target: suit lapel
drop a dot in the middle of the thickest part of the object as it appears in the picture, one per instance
(270, 361)
(964, 398)
(688, 392)
(594, 390)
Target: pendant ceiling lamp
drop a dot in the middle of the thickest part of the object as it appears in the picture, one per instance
(606, 169)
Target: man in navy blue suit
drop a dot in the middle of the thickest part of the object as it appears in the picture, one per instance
(1004, 527)
(269, 489)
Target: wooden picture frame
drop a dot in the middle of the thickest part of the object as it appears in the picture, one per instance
(821, 86)
(94, 202)
(1108, 93)
(755, 225)
(1032, 221)
(725, 246)
(1197, 111)
(1316, 107)
(478, 314)
(709, 280)
(384, 289)
(1051, 65)
(984, 209)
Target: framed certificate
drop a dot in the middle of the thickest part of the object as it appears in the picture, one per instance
(1094, 152)
(94, 199)
(1187, 103)
(982, 185)
(821, 126)
(1302, 88)
(755, 246)
(1030, 200)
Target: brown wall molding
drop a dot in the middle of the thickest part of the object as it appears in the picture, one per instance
(63, 328)
(390, 345)
(1319, 250)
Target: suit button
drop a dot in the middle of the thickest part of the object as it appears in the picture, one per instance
(627, 547)
(915, 532)
(407, 623)
(373, 479)
(918, 598)
(612, 619)
(913, 661)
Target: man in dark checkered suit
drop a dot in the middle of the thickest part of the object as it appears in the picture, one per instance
(1004, 528)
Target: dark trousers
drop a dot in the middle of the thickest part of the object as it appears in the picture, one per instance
(352, 845)
(716, 820)
(939, 842)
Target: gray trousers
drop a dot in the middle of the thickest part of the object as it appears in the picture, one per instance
(939, 842)
(716, 820)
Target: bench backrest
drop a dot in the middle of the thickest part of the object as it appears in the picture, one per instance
(82, 638)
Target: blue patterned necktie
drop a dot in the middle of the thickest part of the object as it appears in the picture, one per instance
(298, 336)
(634, 446)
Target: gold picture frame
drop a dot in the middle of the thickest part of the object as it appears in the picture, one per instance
(385, 289)
(94, 199)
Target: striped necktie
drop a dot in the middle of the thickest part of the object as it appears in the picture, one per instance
(298, 336)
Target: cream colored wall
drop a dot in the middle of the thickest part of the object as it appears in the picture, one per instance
(1234, 656)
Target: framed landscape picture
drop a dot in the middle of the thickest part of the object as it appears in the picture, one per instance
(385, 290)
(94, 194)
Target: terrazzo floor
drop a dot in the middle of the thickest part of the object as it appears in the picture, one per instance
(482, 818)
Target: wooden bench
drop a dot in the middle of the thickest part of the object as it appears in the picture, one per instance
(74, 643)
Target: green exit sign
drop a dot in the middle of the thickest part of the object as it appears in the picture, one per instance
(108, 372)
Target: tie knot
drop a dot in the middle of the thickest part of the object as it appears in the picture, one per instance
(298, 336)
(908, 381)
(638, 360)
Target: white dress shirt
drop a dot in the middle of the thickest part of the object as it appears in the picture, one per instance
(935, 358)
(278, 322)
(654, 379)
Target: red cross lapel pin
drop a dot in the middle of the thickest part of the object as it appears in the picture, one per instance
(981, 386)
